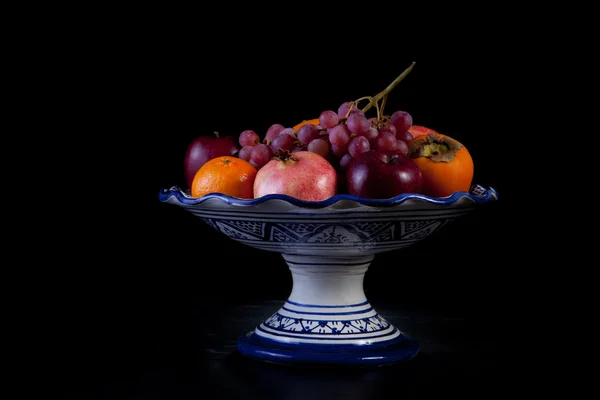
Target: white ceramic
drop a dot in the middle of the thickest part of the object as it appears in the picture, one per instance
(328, 246)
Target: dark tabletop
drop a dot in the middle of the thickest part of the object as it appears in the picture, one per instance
(189, 355)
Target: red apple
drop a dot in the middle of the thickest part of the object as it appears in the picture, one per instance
(379, 174)
(205, 148)
(418, 130)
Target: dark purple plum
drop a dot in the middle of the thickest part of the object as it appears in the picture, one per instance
(379, 174)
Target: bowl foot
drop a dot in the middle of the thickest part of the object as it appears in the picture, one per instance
(400, 348)
(327, 319)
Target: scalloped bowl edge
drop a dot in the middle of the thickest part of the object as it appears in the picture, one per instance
(478, 195)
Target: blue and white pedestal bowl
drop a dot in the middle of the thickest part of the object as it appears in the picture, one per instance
(328, 246)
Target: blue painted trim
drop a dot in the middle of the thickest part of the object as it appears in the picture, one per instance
(300, 354)
(345, 263)
(184, 198)
(322, 306)
(288, 334)
(275, 216)
(363, 311)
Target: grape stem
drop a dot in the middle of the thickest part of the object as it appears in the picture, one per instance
(374, 101)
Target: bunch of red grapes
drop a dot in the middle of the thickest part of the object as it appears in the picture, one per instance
(339, 136)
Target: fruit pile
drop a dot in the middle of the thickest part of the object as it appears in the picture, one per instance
(342, 151)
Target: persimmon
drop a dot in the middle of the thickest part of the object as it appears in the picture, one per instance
(228, 175)
(446, 164)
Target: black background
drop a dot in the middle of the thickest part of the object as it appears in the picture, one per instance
(141, 283)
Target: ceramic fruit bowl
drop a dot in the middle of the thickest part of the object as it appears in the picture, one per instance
(328, 247)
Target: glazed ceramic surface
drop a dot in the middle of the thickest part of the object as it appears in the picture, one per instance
(341, 226)
(328, 247)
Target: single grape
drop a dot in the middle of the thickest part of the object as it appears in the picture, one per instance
(283, 141)
(339, 151)
(245, 152)
(255, 165)
(344, 109)
(248, 138)
(339, 135)
(402, 120)
(307, 133)
(402, 147)
(261, 154)
(405, 136)
(388, 127)
(358, 123)
(357, 111)
(358, 145)
(288, 131)
(386, 141)
(273, 131)
(328, 119)
(319, 146)
(345, 161)
(371, 134)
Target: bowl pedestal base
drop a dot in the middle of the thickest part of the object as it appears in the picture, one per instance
(327, 319)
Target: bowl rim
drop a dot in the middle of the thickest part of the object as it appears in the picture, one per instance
(478, 194)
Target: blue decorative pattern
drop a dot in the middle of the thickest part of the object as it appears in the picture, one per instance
(346, 232)
(282, 323)
(343, 224)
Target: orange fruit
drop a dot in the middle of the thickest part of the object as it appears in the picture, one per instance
(227, 175)
(314, 121)
(446, 164)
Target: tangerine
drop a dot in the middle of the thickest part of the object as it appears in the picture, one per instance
(314, 121)
(226, 175)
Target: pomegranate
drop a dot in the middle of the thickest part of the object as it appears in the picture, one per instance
(303, 175)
